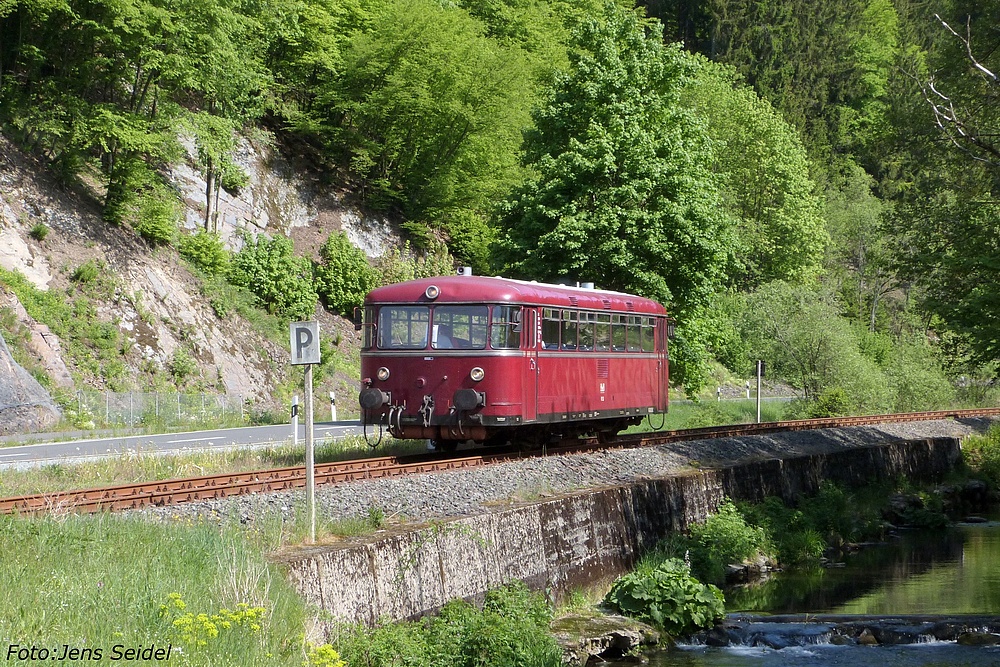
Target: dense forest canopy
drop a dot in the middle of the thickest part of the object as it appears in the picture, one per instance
(760, 167)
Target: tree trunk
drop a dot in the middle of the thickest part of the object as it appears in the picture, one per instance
(209, 191)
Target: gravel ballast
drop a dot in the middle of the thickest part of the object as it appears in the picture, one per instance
(430, 496)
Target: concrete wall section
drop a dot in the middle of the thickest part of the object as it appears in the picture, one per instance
(581, 539)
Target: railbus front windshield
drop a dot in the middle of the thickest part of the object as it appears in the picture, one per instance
(443, 327)
(459, 327)
(403, 327)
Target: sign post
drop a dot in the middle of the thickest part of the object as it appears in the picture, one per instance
(305, 352)
(760, 372)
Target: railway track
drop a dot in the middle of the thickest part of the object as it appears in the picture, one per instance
(175, 491)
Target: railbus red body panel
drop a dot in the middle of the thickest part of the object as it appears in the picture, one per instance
(456, 358)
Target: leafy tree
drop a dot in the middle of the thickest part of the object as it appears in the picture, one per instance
(400, 264)
(281, 282)
(623, 195)
(765, 179)
(343, 275)
(117, 91)
(824, 65)
(954, 253)
(427, 110)
(862, 256)
(206, 251)
(799, 333)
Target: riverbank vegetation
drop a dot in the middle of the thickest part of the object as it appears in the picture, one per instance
(981, 454)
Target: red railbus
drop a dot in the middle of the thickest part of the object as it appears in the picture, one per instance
(457, 358)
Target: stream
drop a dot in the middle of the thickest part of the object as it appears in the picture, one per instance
(920, 589)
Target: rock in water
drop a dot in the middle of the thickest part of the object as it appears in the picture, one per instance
(25, 406)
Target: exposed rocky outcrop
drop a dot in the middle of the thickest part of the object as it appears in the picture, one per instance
(25, 406)
(156, 303)
(592, 638)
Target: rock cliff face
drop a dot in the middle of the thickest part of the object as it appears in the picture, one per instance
(25, 406)
(155, 302)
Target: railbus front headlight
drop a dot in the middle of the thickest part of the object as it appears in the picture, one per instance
(477, 374)
(432, 292)
(382, 374)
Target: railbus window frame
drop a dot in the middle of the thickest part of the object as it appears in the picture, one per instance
(505, 327)
(393, 325)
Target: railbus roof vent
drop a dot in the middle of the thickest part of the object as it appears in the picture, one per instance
(607, 304)
(573, 301)
(586, 285)
(629, 306)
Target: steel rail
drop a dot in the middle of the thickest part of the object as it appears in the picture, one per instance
(175, 491)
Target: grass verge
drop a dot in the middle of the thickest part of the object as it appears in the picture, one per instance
(106, 581)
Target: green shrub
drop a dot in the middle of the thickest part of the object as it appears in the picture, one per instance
(724, 538)
(281, 282)
(511, 629)
(181, 365)
(794, 539)
(157, 218)
(832, 402)
(86, 272)
(668, 596)
(233, 178)
(982, 455)
(206, 251)
(837, 516)
(343, 276)
(39, 232)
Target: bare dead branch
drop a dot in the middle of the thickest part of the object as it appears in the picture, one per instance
(967, 41)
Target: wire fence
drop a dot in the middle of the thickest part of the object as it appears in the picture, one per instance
(160, 408)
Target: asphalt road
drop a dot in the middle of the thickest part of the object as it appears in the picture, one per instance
(62, 449)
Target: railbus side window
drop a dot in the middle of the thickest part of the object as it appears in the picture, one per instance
(618, 333)
(403, 327)
(505, 328)
(648, 334)
(550, 329)
(602, 336)
(368, 328)
(570, 325)
(461, 327)
(587, 322)
(634, 337)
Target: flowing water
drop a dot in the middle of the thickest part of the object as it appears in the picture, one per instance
(934, 575)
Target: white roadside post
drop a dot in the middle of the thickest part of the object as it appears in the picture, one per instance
(295, 421)
(305, 352)
(333, 407)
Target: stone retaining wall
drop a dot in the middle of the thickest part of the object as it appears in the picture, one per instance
(578, 540)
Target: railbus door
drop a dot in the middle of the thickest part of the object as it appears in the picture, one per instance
(662, 363)
(529, 382)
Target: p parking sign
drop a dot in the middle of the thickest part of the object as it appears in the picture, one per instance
(305, 343)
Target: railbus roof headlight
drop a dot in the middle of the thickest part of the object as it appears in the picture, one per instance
(432, 292)
(477, 374)
(382, 374)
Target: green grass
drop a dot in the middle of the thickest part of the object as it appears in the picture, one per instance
(100, 581)
(714, 413)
